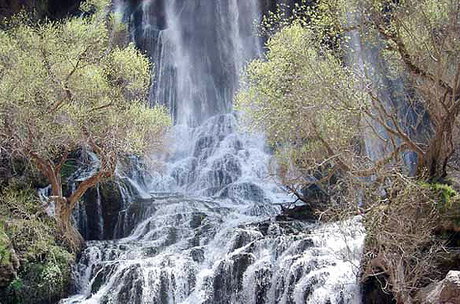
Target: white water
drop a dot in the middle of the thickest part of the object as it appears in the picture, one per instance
(204, 230)
(193, 251)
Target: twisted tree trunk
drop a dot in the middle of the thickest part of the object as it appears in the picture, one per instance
(69, 233)
(65, 205)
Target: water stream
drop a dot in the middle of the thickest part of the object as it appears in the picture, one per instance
(205, 228)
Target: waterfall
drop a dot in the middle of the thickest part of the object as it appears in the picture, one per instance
(199, 49)
(365, 56)
(204, 230)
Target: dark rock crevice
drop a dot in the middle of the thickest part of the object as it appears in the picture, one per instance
(53, 9)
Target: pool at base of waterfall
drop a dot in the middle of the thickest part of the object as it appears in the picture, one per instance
(187, 250)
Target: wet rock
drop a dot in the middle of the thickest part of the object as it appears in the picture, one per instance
(264, 227)
(314, 194)
(197, 254)
(262, 209)
(244, 191)
(166, 284)
(131, 286)
(136, 212)
(224, 171)
(100, 278)
(240, 263)
(185, 172)
(302, 213)
(171, 236)
(244, 237)
(262, 277)
(303, 245)
(197, 220)
(204, 146)
(446, 291)
(150, 251)
(228, 280)
(257, 261)
(372, 292)
(99, 224)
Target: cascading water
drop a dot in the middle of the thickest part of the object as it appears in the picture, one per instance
(198, 48)
(204, 230)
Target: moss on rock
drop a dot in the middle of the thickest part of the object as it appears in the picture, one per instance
(8, 260)
(34, 266)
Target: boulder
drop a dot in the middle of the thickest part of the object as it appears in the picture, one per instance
(446, 291)
(300, 212)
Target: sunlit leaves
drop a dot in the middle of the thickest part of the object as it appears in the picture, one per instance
(130, 68)
(302, 95)
(65, 85)
(330, 62)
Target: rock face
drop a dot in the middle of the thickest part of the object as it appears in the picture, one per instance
(372, 292)
(446, 291)
(54, 9)
(97, 216)
(302, 212)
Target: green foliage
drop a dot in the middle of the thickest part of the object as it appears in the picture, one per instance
(447, 202)
(70, 85)
(18, 195)
(421, 40)
(44, 280)
(321, 87)
(16, 285)
(320, 17)
(65, 85)
(339, 71)
(303, 97)
(5, 252)
(30, 235)
(447, 195)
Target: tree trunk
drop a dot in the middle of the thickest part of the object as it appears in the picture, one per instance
(398, 280)
(69, 234)
(64, 206)
(63, 214)
(440, 149)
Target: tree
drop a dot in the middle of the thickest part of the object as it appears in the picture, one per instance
(309, 73)
(308, 104)
(347, 77)
(65, 86)
(421, 43)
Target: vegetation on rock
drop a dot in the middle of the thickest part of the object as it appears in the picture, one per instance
(34, 266)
